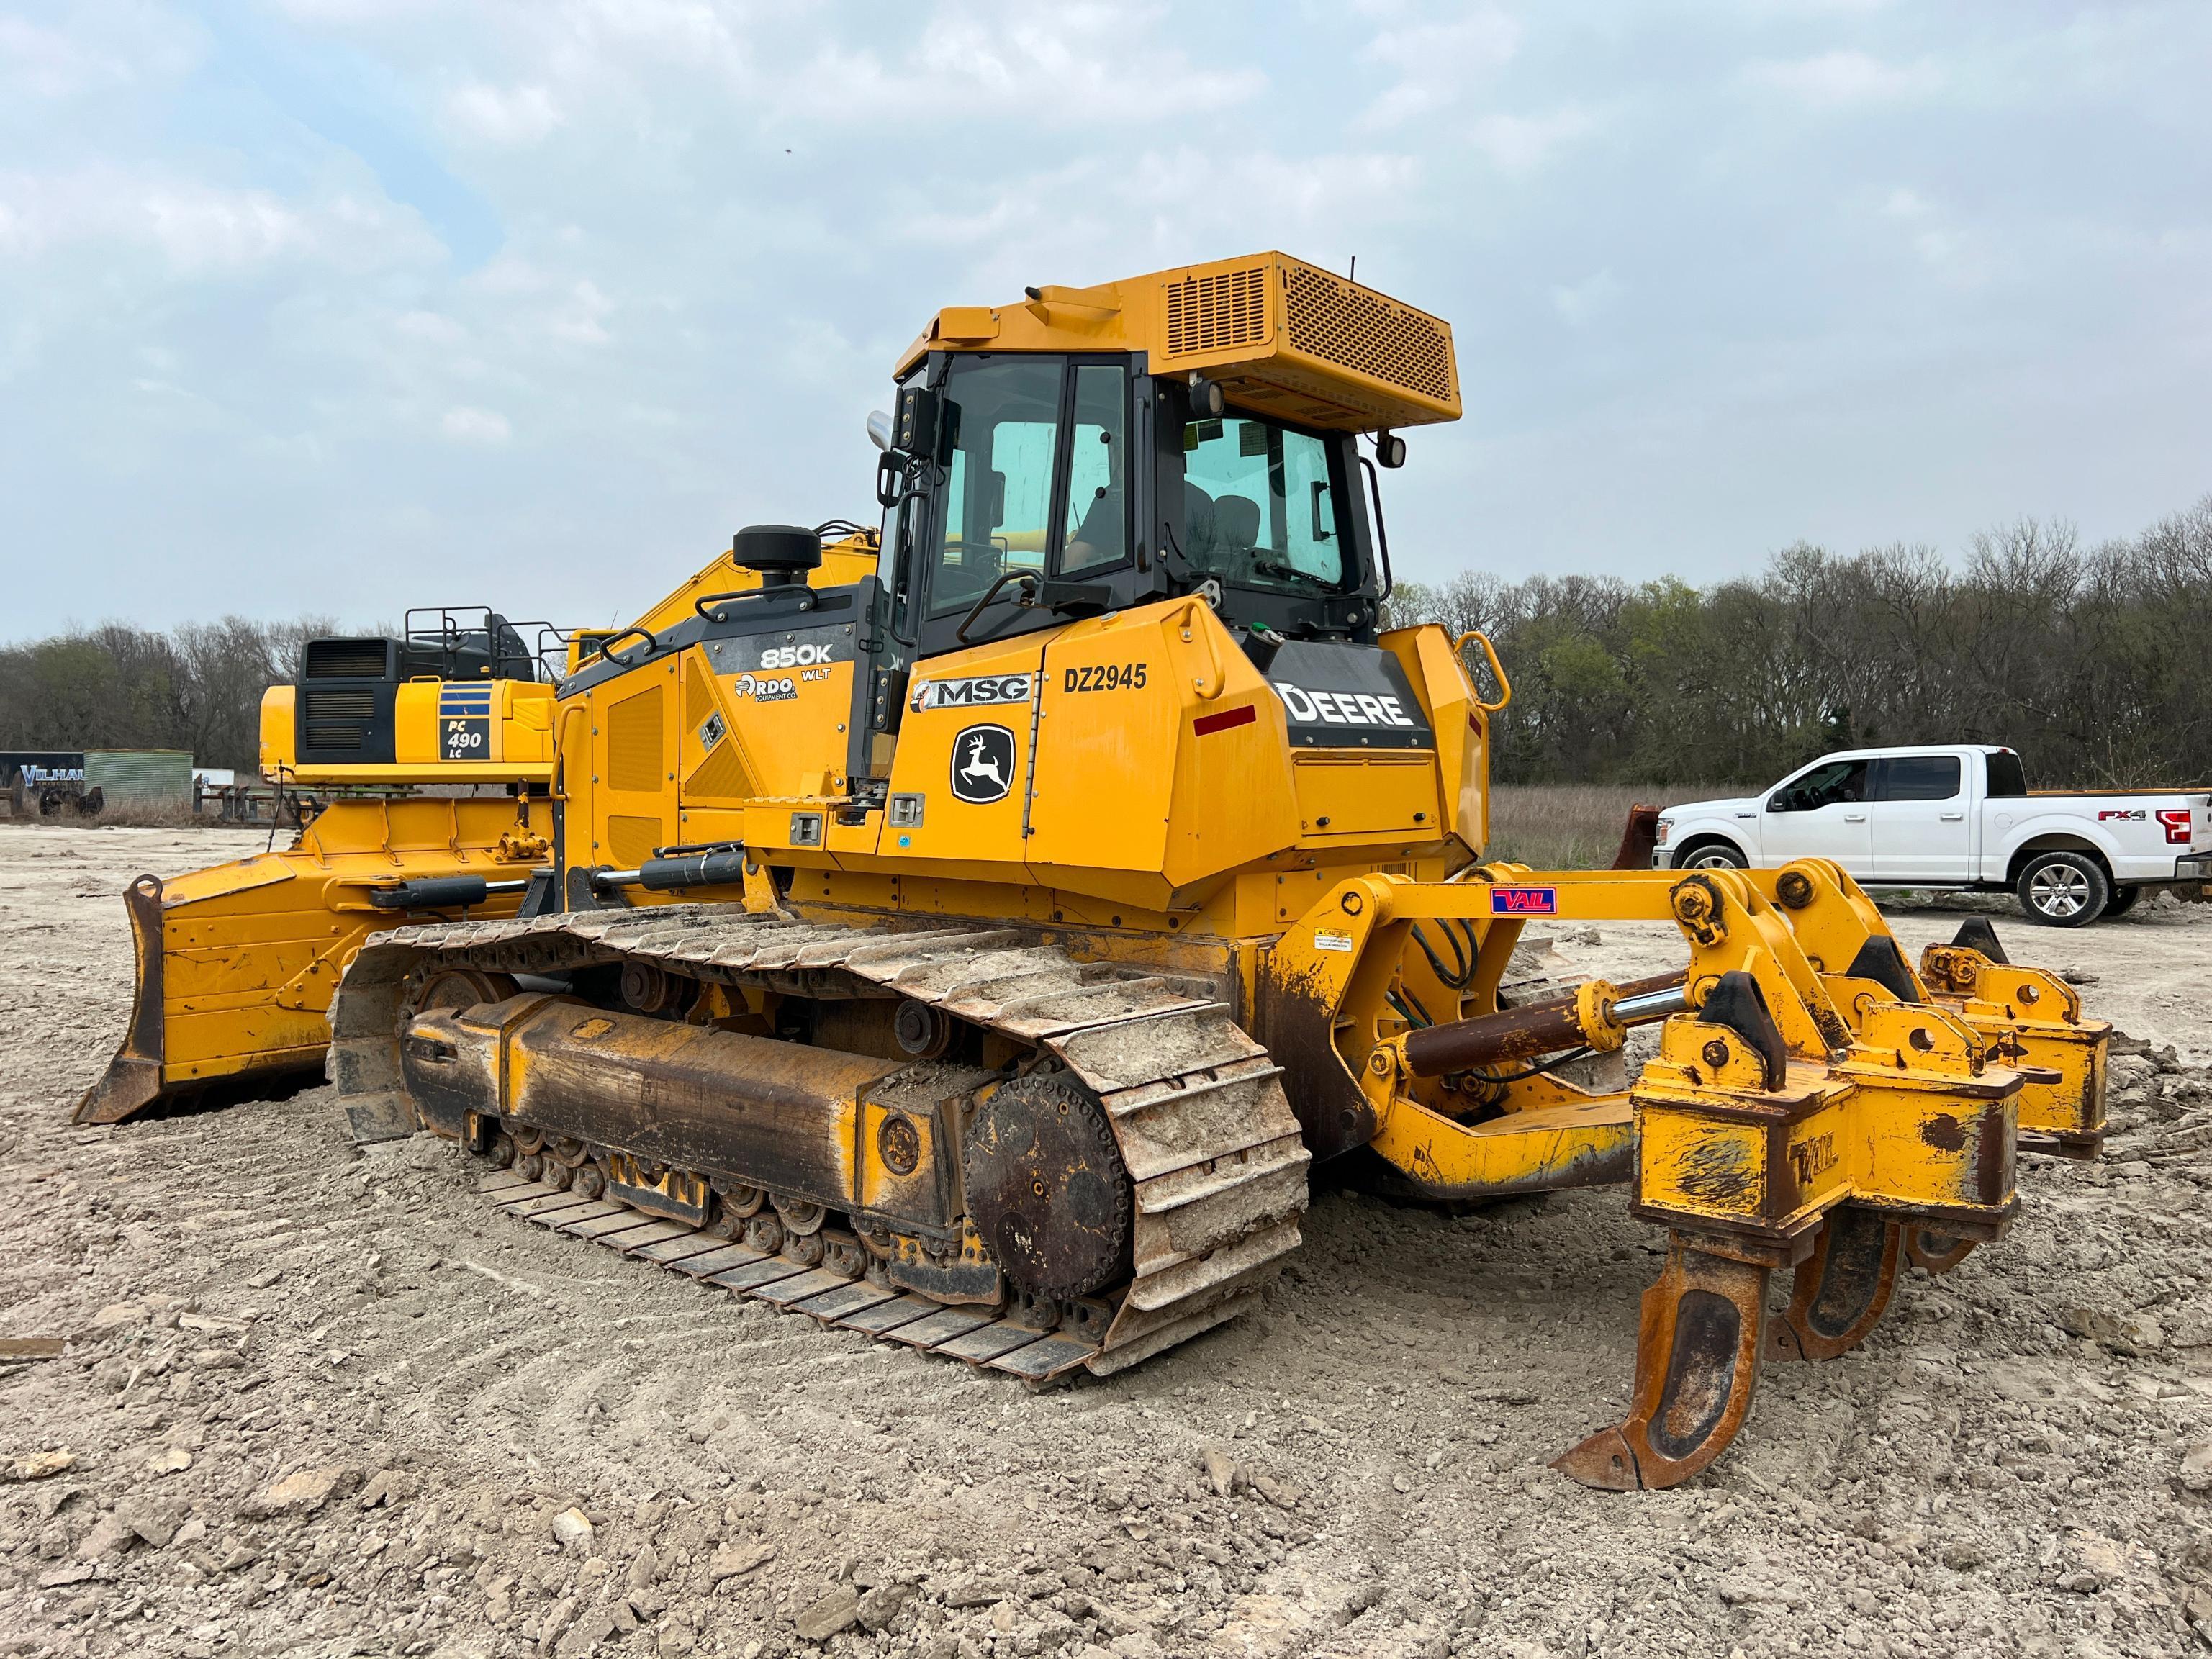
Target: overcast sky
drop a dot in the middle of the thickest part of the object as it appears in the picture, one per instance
(344, 305)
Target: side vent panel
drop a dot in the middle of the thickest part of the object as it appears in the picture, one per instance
(634, 743)
(631, 841)
(347, 660)
(337, 722)
(1212, 314)
(1355, 328)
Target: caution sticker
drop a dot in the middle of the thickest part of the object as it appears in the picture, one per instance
(1333, 942)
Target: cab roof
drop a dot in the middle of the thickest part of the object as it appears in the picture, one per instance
(1284, 337)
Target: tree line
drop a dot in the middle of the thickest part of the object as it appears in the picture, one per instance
(196, 687)
(2094, 662)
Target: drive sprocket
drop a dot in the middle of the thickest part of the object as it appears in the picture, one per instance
(1046, 1188)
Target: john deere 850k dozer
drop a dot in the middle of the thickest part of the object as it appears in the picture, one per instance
(981, 953)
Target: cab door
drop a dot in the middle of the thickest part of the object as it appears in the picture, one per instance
(1821, 813)
(1917, 811)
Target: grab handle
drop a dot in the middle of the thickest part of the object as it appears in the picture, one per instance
(1496, 669)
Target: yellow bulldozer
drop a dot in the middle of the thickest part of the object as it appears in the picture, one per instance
(980, 952)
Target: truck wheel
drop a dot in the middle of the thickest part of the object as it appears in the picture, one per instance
(2063, 889)
(1712, 855)
(2122, 901)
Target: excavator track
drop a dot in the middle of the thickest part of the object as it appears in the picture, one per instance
(1216, 1165)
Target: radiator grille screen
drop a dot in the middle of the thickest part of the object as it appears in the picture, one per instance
(1355, 330)
(345, 659)
(1206, 313)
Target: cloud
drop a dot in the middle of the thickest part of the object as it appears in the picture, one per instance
(1517, 144)
(1835, 79)
(195, 228)
(476, 426)
(525, 280)
(107, 46)
(511, 115)
(1959, 257)
(1436, 66)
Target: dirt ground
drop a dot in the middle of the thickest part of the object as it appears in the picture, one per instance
(323, 1403)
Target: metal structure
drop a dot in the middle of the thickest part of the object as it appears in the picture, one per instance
(980, 951)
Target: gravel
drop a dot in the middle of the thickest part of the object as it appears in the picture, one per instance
(319, 1402)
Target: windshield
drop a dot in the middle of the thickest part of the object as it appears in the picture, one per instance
(1027, 432)
(997, 490)
(1260, 506)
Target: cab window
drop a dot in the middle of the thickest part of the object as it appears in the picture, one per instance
(1036, 476)
(1916, 777)
(1823, 786)
(1262, 507)
(1096, 523)
(999, 479)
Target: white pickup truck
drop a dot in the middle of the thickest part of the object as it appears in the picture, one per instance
(1957, 816)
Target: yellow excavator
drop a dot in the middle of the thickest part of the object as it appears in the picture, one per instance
(980, 954)
(428, 758)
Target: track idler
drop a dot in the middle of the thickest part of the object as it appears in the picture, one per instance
(1697, 1365)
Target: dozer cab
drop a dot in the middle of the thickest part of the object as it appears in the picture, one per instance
(981, 953)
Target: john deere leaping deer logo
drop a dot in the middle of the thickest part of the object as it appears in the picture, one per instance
(983, 764)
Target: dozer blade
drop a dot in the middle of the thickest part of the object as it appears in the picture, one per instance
(1696, 1364)
(132, 1080)
(236, 963)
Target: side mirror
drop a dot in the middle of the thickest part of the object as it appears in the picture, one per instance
(879, 429)
(1779, 802)
(1389, 450)
(915, 430)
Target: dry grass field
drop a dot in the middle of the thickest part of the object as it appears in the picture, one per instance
(1572, 826)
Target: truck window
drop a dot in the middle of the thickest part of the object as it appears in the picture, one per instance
(1823, 786)
(2007, 775)
(1916, 777)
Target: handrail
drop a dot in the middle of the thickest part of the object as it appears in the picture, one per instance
(607, 646)
(991, 593)
(1497, 668)
(1195, 629)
